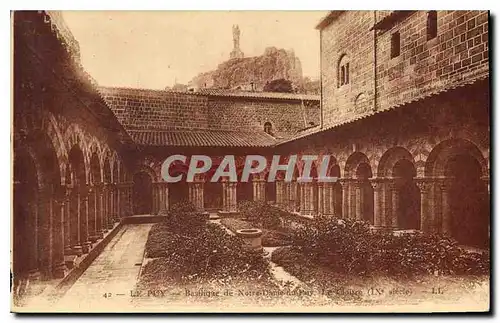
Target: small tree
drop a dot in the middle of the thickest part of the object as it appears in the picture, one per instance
(279, 85)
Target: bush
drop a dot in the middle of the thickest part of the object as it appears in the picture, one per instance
(349, 246)
(261, 214)
(184, 217)
(210, 254)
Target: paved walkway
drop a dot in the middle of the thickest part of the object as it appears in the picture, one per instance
(113, 273)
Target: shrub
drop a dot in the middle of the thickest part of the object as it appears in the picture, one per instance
(210, 254)
(349, 246)
(261, 213)
(184, 217)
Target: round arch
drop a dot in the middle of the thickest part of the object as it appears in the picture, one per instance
(439, 156)
(389, 160)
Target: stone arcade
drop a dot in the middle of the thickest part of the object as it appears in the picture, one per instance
(404, 117)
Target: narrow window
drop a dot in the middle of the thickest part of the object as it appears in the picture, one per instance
(347, 73)
(395, 45)
(342, 75)
(268, 127)
(432, 25)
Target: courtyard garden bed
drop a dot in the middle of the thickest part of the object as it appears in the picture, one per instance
(270, 238)
(345, 257)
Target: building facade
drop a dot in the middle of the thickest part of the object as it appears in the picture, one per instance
(403, 114)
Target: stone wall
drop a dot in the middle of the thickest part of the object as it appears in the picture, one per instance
(149, 109)
(459, 54)
(286, 117)
(348, 37)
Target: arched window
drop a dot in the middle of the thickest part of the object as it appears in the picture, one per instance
(268, 128)
(343, 71)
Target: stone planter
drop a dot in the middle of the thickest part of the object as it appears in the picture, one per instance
(252, 238)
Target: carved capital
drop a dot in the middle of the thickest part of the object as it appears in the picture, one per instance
(424, 184)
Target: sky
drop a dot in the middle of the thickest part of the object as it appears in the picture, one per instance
(155, 49)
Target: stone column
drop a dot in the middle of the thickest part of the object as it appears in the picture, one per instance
(119, 201)
(358, 200)
(197, 193)
(345, 198)
(34, 228)
(105, 207)
(426, 218)
(100, 212)
(232, 206)
(293, 196)
(58, 257)
(395, 204)
(84, 234)
(45, 232)
(279, 192)
(331, 200)
(166, 196)
(321, 198)
(377, 203)
(444, 187)
(97, 212)
(67, 223)
(92, 205)
(302, 198)
(261, 188)
(109, 216)
(116, 218)
(77, 247)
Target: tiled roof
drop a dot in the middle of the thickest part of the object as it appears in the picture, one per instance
(261, 95)
(202, 138)
(391, 19)
(331, 16)
(211, 92)
(316, 130)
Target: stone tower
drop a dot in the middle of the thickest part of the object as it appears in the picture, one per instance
(236, 52)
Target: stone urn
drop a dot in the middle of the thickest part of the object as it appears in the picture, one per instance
(252, 238)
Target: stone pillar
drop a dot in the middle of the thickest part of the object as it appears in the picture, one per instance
(92, 206)
(67, 223)
(331, 200)
(302, 199)
(444, 188)
(95, 215)
(279, 192)
(394, 204)
(100, 212)
(377, 185)
(84, 234)
(261, 189)
(345, 198)
(358, 199)
(109, 215)
(77, 247)
(426, 218)
(321, 198)
(119, 201)
(197, 194)
(167, 206)
(232, 197)
(105, 207)
(58, 243)
(115, 203)
(45, 233)
(294, 196)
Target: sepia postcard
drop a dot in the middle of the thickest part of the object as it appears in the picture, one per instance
(250, 161)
